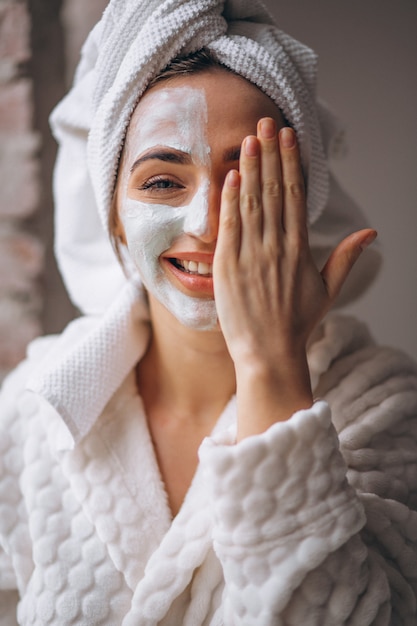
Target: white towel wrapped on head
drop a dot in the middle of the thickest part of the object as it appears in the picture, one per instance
(132, 44)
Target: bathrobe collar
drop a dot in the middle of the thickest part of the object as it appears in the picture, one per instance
(88, 363)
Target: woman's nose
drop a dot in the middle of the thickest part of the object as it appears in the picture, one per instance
(202, 220)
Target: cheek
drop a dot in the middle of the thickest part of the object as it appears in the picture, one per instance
(154, 227)
(150, 229)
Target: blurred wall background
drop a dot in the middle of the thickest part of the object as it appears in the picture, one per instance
(367, 51)
(21, 249)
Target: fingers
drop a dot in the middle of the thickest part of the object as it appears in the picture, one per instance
(228, 241)
(251, 209)
(261, 187)
(343, 258)
(295, 205)
(272, 194)
(271, 180)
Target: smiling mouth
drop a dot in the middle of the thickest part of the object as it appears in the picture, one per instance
(193, 267)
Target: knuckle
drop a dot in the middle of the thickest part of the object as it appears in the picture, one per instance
(251, 204)
(274, 251)
(272, 188)
(270, 146)
(295, 190)
(229, 223)
(299, 243)
(250, 164)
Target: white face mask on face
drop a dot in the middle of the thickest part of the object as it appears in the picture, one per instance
(170, 118)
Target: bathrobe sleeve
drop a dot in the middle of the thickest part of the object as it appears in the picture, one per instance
(15, 545)
(315, 520)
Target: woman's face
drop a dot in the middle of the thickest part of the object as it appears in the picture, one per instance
(183, 138)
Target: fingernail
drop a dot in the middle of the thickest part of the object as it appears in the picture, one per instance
(287, 137)
(268, 128)
(251, 146)
(233, 179)
(368, 240)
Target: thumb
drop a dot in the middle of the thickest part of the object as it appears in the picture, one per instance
(343, 258)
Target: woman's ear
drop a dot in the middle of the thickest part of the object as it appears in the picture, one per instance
(116, 229)
(119, 231)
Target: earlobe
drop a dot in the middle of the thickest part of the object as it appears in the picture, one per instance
(116, 228)
(119, 231)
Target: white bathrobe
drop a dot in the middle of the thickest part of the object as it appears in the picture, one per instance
(312, 522)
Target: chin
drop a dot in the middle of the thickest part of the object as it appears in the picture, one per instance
(191, 312)
(201, 325)
(200, 315)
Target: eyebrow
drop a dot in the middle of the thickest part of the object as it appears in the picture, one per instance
(232, 154)
(182, 158)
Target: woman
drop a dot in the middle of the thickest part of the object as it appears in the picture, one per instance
(165, 461)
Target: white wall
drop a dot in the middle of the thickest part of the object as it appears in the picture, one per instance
(367, 59)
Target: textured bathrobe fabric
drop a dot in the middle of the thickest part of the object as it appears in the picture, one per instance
(313, 522)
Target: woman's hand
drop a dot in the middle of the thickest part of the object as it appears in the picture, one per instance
(269, 293)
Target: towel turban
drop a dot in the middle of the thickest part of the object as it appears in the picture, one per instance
(133, 42)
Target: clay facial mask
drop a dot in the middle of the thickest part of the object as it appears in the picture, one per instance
(174, 118)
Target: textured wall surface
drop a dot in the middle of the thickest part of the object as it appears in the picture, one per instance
(40, 42)
(21, 251)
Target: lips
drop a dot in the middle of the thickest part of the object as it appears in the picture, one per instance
(192, 273)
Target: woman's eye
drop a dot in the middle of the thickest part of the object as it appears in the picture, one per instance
(160, 183)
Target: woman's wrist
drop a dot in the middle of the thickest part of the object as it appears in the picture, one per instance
(269, 394)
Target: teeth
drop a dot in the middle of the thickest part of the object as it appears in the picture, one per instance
(203, 269)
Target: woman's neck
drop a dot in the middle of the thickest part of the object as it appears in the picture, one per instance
(189, 372)
(185, 379)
